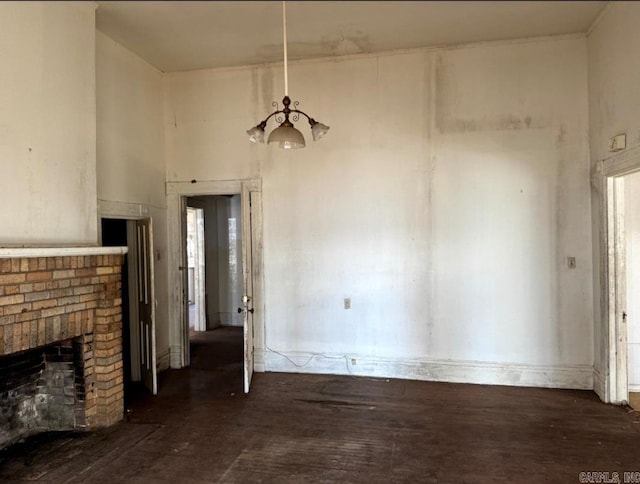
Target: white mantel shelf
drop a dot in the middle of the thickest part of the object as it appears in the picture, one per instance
(26, 252)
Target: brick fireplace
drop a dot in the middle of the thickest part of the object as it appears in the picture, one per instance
(60, 340)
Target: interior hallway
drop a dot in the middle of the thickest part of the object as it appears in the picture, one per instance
(322, 428)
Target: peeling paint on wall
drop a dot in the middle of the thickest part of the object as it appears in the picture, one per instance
(507, 122)
(432, 206)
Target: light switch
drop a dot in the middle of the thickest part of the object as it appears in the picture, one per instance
(347, 303)
(571, 262)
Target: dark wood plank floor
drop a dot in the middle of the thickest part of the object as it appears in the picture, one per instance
(296, 428)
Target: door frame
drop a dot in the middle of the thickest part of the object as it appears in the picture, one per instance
(177, 193)
(610, 378)
(131, 212)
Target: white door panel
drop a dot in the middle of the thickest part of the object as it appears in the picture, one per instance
(247, 280)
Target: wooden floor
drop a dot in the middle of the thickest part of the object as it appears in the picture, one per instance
(296, 428)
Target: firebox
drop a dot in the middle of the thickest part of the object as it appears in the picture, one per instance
(42, 390)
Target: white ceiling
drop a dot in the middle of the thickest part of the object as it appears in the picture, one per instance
(185, 35)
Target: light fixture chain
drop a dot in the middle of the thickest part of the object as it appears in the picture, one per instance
(284, 35)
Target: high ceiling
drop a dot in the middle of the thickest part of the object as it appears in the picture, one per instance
(185, 35)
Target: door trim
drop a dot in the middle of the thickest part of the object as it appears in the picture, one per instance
(247, 284)
(131, 212)
(125, 210)
(610, 377)
(177, 192)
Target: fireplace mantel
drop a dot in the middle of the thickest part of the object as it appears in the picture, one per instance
(29, 252)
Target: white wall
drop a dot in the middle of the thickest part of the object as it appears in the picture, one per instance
(130, 129)
(444, 201)
(47, 123)
(130, 153)
(511, 203)
(614, 75)
(614, 103)
(632, 234)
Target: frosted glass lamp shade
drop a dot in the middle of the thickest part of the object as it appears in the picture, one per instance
(288, 137)
(318, 130)
(256, 134)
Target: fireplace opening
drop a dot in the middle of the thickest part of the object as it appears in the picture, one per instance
(42, 390)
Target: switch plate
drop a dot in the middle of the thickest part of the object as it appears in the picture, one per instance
(618, 142)
(347, 303)
(571, 262)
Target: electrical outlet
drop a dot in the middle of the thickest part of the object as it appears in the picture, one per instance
(571, 262)
(353, 362)
(347, 303)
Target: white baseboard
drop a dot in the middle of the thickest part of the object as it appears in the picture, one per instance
(479, 372)
(164, 360)
(599, 384)
(634, 387)
(258, 360)
(175, 357)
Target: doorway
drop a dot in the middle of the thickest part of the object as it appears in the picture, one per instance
(215, 282)
(617, 181)
(214, 261)
(244, 305)
(138, 308)
(114, 234)
(632, 264)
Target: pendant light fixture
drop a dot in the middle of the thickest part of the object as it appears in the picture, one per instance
(286, 135)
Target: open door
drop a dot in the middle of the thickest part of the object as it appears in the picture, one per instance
(146, 305)
(200, 275)
(196, 276)
(618, 304)
(631, 309)
(247, 279)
